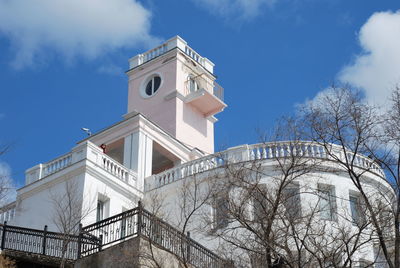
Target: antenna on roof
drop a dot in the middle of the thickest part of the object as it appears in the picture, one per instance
(87, 131)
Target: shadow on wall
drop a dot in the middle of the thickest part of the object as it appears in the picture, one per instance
(195, 120)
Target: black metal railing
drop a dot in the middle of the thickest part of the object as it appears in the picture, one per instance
(93, 238)
(116, 228)
(139, 221)
(47, 243)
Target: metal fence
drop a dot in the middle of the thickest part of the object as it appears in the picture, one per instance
(139, 221)
(93, 238)
(47, 243)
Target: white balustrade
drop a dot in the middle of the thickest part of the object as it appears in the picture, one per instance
(200, 82)
(195, 56)
(103, 161)
(175, 42)
(7, 212)
(258, 152)
(155, 52)
(113, 167)
(57, 164)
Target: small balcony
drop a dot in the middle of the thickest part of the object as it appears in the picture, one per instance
(205, 95)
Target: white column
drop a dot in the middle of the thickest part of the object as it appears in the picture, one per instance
(138, 155)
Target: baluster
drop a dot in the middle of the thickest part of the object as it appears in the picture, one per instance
(305, 150)
(356, 160)
(258, 155)
(312, 151)
(324, 154)
(195, 167)
(275, 152)
(184, 171)
(191, 169)
(264, 153)
(270, 154)
(288, 151)
(317, 151)
(181, 172)
(364, 163)
(252, 155)
(282, 150)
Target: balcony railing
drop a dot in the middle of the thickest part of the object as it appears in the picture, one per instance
(7, 213)
(140, 222)
(198, 83)
(53, 244)
(87, 151)
(261, 151)
(175, 42)
(93, 238)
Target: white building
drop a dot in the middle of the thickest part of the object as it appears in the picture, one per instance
(165, 140)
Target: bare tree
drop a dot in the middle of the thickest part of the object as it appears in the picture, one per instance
(68, 212)
(264, 223)
(187, 206)
(251, 205)
(6, 184)
(340, 117)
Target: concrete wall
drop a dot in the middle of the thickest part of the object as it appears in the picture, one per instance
(37, 209)
(133, 253)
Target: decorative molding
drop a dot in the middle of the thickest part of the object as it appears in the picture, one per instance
(212, 119)
(174, 94)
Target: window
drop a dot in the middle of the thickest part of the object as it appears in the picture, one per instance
(380, 261)
(327, 202)
(260, 205)
(221, 211)
(357, 214)
(152, 85)
(100, 210)
(291, 201)
(193, 85)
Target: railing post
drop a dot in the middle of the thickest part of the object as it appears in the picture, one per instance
(101, 242)
(80, 241)
(188, 247)
(139, 228)
(44, 240)
(3, 238)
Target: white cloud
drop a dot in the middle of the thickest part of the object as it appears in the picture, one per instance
(240, 9)
(87, 28)
(377, 69)
(111, 69)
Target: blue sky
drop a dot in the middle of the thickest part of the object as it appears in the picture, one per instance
(62, 62)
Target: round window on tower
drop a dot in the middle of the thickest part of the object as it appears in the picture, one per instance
(151, 85)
